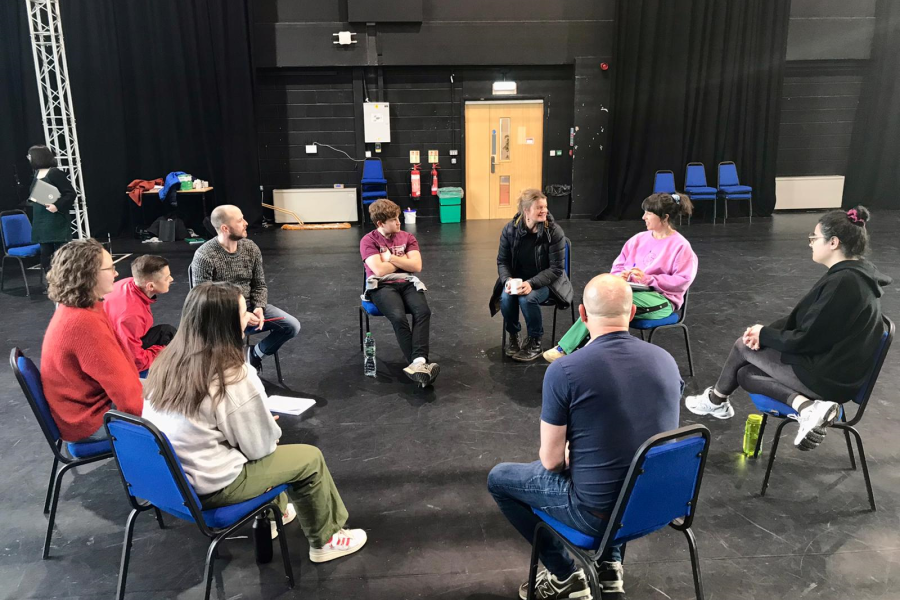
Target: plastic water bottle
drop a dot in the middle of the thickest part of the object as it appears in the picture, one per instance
(751, 433)
(369, 361)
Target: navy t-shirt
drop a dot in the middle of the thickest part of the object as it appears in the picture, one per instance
(612, 395)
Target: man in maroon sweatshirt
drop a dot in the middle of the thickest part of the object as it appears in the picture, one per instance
(128, 308)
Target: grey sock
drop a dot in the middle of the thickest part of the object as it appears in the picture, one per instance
(715, 398)
(257, 352)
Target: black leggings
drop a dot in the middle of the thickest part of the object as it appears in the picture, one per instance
(47, 250)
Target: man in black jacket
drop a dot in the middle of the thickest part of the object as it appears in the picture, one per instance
(532, 249)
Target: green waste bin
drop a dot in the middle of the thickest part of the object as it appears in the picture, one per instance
(451, 214)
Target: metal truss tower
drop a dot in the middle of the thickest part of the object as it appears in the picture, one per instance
(52, 73)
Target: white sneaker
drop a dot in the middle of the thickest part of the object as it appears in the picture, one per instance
(554, 353)
(700, 404)
(819, 414)
(344, 542)
(289, 515)
(422, 373)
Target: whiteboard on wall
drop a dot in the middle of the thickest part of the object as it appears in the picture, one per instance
(377, 122)
(316, 205)
(808, 193)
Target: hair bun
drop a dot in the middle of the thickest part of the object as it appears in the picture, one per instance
(863, 213)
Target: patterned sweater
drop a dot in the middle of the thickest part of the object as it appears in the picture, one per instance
(244, 268)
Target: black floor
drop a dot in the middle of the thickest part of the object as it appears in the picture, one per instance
(411, 464)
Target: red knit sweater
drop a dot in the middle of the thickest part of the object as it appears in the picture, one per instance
(84, 368)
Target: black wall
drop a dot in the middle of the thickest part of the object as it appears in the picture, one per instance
(829, 44)
(311, 90)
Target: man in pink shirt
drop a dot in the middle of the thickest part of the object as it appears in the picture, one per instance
(391, 257)
(128, 309)
(659, 258)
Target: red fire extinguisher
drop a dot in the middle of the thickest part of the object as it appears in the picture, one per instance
(434, 179)
(415, 182)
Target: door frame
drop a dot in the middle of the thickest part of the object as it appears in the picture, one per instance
(523, 99)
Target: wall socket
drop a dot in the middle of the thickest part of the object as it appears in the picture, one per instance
(312, 149)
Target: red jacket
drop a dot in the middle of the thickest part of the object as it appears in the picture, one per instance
(136, 188)
(84, 368)
(128, 309)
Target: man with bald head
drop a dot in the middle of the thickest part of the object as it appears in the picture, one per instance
(599, 405)
(231, 257)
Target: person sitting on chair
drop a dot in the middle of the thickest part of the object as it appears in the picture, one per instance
(128, 309)
(532, 254)
(599, 405)
(86, 369)
(659, 258)
(824, 348)
(211, 406)
(391, 256)
(232, 258)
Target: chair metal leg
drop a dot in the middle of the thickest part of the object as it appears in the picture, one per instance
(532, 567)
(285, 555)
(687, 344)
(593, 577)
(2, 271)
(572, 306)
(53, 477)
(772, 454)
(849, 445)
(210, 560)
(24, 276)
(553, 335)
(278, 368)
(695, 563)
(641, 331)
(759, 439)
(360, 329)
(54, 502)
(725, 218)
(503, 343)
(126, 554)
(159, 518)
(750, 202)
(863, 462)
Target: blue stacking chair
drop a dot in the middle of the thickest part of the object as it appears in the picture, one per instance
(695, 186)
(549, 302)
(15, 233)
(154, 479)
(29, 378)
(675, 320)
(771, 407)
(664, 182)
(373, 183)
(730, 187)
(661, 488)
(247, 334)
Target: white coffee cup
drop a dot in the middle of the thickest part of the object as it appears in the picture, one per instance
(514, 285)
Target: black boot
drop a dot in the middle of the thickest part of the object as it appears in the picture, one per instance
(531, 349)
(512, 344)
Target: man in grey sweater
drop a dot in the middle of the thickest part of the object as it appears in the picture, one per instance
(232, 258)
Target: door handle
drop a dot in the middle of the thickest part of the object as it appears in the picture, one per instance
(493, 163)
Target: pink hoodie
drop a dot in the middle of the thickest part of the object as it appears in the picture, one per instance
(669, 264)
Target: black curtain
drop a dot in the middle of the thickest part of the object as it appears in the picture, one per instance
(158, 87)
(875, 145)
(696, 80)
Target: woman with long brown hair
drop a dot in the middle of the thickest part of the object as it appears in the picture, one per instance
(85, 369)
(211, 406)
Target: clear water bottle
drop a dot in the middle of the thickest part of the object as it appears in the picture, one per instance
(369, 361)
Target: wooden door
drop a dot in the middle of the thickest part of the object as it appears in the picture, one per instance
(504, 145)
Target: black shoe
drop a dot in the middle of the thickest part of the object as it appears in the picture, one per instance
(512, 344)
(611, 576)
(253, 360)
(531, 350)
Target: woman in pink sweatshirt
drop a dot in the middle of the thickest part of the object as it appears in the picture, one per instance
(660, 258)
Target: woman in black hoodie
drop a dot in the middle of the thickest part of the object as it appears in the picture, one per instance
(824, 348)
(532, 249)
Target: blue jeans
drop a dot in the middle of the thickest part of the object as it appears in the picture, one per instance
(517, 487)
(530, 305)
(281, 330)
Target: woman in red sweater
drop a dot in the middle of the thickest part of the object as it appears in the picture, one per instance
(84, 367)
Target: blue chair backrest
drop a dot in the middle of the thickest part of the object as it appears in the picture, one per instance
(886, 339)
(149, 466)
(372, 169)
(664, 181)
(16, 230)
(662, 484)
(695, 175)
(568, 262)
(728, 174)
(29, 378)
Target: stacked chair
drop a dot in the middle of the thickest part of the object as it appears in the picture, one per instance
(373, 183)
